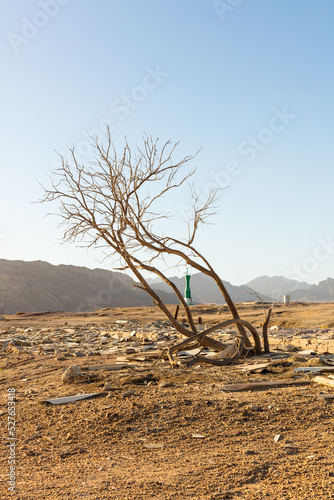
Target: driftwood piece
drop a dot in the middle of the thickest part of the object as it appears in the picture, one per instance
(265, 332)
(72, 399)
(241, 322)
(200, 340)
(324, 381)
(229, 360)
(314, 369)
(106, 367)
(265, 385)
(251, 368)
(186, 343)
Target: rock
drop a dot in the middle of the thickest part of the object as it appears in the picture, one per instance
(130, 350)
(72, 374)
(107, 386)
(128, 393)
(30, 391)
(287, 348)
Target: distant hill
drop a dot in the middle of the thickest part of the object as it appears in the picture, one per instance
(323, 292)
(204, 290)
(276, 286)
(39, 286)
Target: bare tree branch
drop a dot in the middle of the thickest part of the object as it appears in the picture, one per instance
(115, 202)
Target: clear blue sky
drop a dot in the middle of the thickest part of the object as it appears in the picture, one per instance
(251, 82)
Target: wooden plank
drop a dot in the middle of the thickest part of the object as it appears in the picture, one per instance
(250, 368)
(229, 351)
(105, 367)
(319, 369)
(264, 385)
(71, 399)
(324, 381)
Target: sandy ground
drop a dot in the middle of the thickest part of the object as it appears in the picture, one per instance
(167, 433)
(299, 315)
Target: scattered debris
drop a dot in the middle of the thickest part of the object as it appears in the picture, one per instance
(314, 369)
(128, 393)
(72, 374)
(116, 367)
(71, 399)
(287, 348)
(153, 446)
(264, 385)
(251, 368)
(107, 386)
(324, 381)
(169, 412)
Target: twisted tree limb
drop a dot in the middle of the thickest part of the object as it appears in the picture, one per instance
(108, 202)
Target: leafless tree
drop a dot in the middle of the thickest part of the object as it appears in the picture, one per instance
(113, 202)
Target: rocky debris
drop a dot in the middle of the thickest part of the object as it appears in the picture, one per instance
(107, 386)
(72, 374)
(145, 402)
(129, 342)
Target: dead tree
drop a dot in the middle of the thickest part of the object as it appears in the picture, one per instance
(111, 202)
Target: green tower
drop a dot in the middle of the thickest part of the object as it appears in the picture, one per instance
(187, 292)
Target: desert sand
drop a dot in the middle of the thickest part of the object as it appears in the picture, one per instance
(158, 432)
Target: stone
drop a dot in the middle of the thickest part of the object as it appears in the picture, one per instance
(130, 350)
(287, 348)
(30, 391)
(72, 374)
(107, 386)
(128, 393)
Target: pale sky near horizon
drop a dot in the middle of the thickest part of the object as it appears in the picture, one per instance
(248, 81)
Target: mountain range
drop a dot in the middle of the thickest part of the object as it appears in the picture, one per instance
(40, 286)
(204, 290)
(277, 286)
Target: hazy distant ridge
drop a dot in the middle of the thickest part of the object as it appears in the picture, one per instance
(204, 290)
(323, 292)
(39, 286)
(277, 286)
